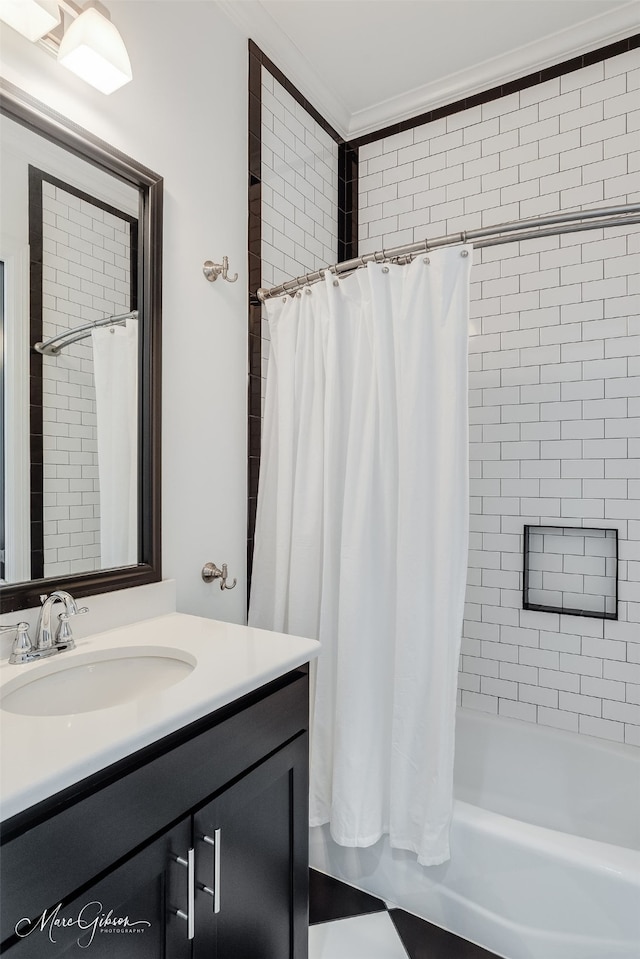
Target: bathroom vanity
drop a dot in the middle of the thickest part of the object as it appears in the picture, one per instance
(187, 844)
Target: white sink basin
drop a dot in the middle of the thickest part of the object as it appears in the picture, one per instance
(95, 680)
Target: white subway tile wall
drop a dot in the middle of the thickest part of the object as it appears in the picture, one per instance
(86, 275)
(299, 193)
(554, 387)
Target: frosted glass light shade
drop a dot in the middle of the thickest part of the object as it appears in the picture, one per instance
(94, 50)
(32, 18)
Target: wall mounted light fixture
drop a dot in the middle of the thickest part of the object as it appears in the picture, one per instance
(32, 18)
(82, 38)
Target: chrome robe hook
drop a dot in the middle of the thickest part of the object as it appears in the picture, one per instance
(210, 572)
(213, 270)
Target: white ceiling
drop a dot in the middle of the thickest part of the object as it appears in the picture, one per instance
(367, 63)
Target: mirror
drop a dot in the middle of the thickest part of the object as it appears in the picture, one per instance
(80, 283)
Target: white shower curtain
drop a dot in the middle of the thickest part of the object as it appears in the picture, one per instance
(362, 532)
(115, 368)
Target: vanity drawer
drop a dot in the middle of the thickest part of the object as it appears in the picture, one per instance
(51, 850)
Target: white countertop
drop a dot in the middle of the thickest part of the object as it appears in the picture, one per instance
(44, 754)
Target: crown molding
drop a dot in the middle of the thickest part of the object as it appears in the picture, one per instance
(253, 20)
(572, 42)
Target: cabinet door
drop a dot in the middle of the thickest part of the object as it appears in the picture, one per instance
(129, 914)
(251, 856)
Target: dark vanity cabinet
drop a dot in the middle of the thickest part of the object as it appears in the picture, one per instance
(193, 848)
(252, 886)
(147, 889)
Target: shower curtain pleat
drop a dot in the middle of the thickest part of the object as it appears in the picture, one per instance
(433, 496)
(361, 536)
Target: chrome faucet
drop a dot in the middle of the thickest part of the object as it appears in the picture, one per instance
(45, 642)
(24, 651)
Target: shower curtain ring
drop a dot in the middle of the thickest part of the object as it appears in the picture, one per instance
(463, 236)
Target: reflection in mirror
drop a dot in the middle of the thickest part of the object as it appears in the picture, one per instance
(80, 255)
(89, 400)
(2, 418)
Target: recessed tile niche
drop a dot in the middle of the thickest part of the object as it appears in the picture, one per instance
(571, 570)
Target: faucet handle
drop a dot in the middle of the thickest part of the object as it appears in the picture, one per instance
(64, 636)
(21, 650)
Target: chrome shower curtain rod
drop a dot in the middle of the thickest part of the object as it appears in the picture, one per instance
(553, 225)
(55, 345)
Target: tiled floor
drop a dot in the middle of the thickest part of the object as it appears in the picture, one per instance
(348, 924)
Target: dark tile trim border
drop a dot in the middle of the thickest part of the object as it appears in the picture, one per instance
(503, 90)
(347, 201)
(347, 208)
(347, 247)
(254, 386)
(36, 432)
(277, 74)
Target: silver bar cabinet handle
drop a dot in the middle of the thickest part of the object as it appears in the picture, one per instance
(190, 863)
(216, 843)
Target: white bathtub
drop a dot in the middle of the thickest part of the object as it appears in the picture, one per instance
(544, 846)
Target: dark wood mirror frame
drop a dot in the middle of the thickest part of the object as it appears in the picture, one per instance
(23, 109)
